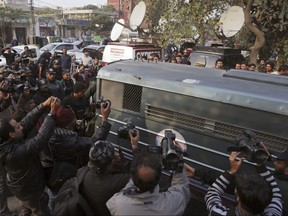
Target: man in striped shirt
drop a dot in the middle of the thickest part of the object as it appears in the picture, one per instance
(256, 194)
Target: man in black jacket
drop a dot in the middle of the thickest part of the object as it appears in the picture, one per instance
(68, 147)
(9, 54)
(25, 177)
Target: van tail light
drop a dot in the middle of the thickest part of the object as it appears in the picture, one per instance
(104, 64)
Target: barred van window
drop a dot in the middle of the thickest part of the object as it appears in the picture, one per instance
(123, 96)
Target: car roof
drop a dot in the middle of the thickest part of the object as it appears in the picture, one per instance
(30, 46)
(93, 46)
(60, 43)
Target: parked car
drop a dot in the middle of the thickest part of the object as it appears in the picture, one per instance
(2, 61)
(53, 39)
(81, 44)
(94, 50)
(207, 56)
(58, 47)
(39, 41)
(33, 49)
(69, 40)
(20, 49)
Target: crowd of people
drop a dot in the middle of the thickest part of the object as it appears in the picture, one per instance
(264, 66)
(42, 147)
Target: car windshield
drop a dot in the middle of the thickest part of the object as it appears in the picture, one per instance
(49, 47)
(18, 50)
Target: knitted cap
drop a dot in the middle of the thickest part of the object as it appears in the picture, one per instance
(64, 117)
(101, 153)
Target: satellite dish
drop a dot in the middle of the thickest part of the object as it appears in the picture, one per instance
(232, 21)
(117, 29)
(137, 15)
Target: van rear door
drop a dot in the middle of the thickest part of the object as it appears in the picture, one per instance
(115, 53)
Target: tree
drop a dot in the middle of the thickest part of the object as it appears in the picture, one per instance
(90, 6)
(254, 25)
(7, 17)
(180, 19)
(102, 24)
(268, 21)
(273, 16)
(108, 8)
(47, 15)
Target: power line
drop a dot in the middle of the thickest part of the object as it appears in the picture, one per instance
(49, 4)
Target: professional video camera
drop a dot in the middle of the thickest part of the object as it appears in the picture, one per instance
(171, 154)
(102, 103)
(250, 147)
(123, 132)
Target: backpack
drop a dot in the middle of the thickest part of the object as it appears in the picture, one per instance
(69, 201)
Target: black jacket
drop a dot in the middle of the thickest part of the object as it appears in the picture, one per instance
(25, 177)
(98, 189)
(66, 145)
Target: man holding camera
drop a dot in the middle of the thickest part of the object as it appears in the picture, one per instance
(9, 55)
(141, 196)
(7, 103)
(25, 177)
(281, 175)
(77, 100)
(255, 193)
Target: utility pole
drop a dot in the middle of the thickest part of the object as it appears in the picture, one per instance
(32, 17)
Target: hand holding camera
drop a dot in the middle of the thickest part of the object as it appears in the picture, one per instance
(134, 138)
(55, 104)
(250, 147)
(105, 110)
(235, 164)
(124, 131)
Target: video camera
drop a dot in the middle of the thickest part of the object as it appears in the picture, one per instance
(123, 132)
(249, 146)
(171, 154)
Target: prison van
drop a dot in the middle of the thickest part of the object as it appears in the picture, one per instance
(206, 108)
(116, 51)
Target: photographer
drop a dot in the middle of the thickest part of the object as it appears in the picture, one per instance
(66, 145)
(7, 103)
(68, 149)
(142, 196)
(105, 175)
(25, 178)
(255, 193)
(9, 55)
(77, 100)
(26, 55)
(281, 175)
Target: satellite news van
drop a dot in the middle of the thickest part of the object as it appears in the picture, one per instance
(116, 51)
(206, 108)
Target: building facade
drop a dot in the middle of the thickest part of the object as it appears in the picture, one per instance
(124, 8)
(21, 27)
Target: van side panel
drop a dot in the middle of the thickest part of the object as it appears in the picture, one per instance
(208, 127)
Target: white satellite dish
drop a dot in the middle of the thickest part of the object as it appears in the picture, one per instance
(232, 20)
(117, 29)
(137, 15)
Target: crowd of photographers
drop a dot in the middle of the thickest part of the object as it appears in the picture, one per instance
(48, 144)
